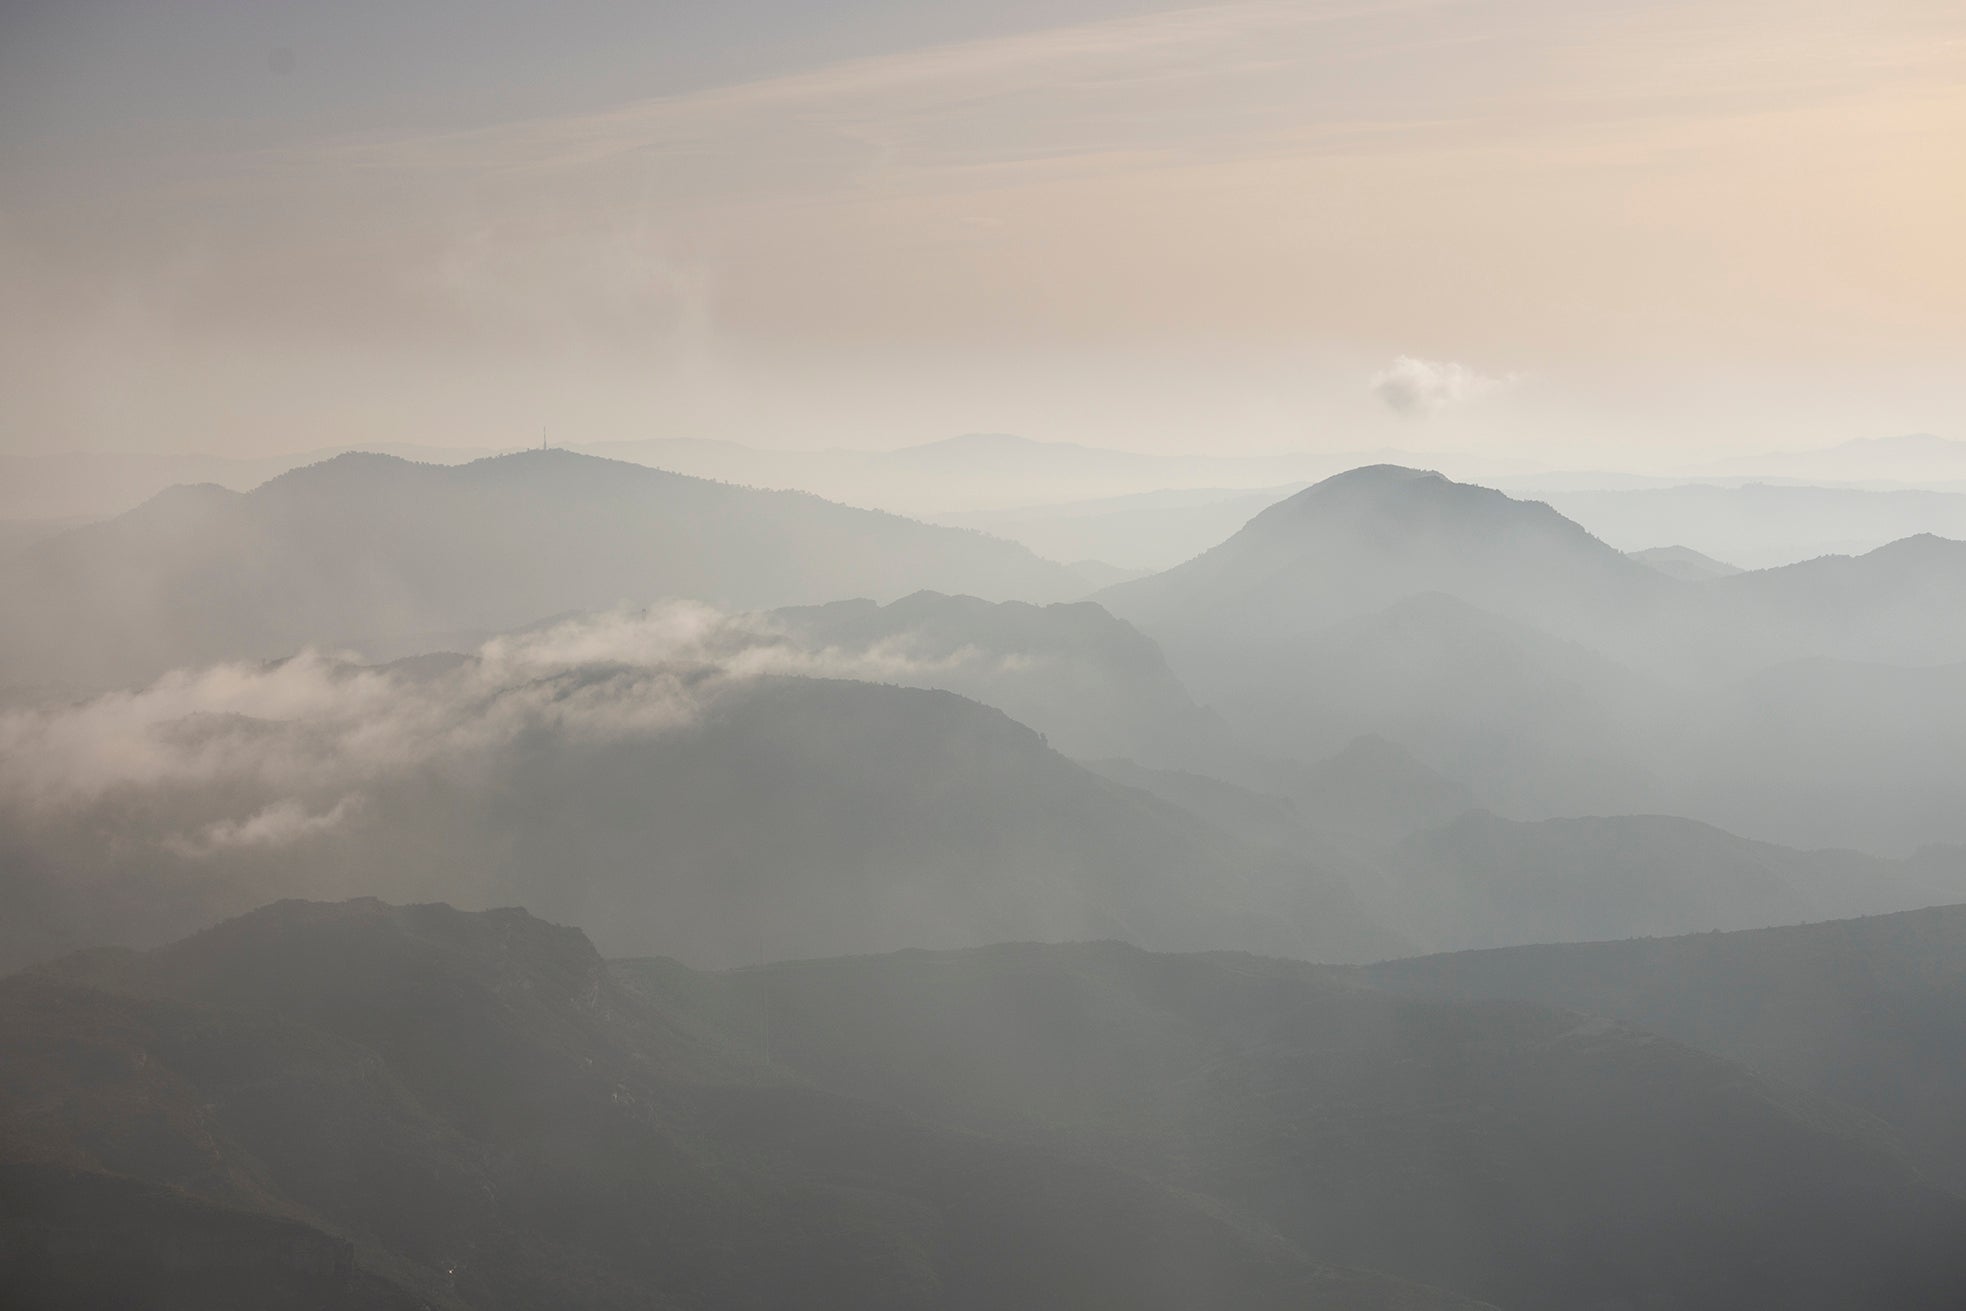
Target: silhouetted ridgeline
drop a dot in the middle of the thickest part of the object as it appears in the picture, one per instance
(493, 1122)
(389, 557)
(492, 1117)
(1869, 1011)
(725, 822)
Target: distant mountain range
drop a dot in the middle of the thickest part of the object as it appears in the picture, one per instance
(969, 472)
(755, 820)
(1915, 459)
(1684, 563)
(1148, 530)
(1357, 542)
(724, 816)
(90, 485)
(1554, 675)
(1089, 506)
(1737, 516)
(1761, 525)
(1390, 592)
(1755, 525)
(1368, 661)
(390, 558)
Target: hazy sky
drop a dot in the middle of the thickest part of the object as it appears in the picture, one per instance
(1609, 232)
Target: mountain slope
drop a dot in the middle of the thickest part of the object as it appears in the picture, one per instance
(394, 557)
(1903, 603)
(1828, 753)
(721, 820)
(983, 471)
(1366, 797)
(1510, 1152)
(79, 1240)
(1482, 881)
(1464, 626)
(1530, 724)
(1871, 1011)
(1684, 563)
(1150, 530)
(492, 1123)
(1092, 684)
(1360, 541)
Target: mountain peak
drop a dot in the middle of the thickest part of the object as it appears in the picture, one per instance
(348, 466)
(1387, 544)
(1429, 527)
(331, 960)
(1684, 563)
(1919, 545)
(1398, 494)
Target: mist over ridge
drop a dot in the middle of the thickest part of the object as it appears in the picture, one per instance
(675, 763)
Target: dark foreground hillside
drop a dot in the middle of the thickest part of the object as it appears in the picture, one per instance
(1869, 1011)
(364, 1106)
(1530, 1157)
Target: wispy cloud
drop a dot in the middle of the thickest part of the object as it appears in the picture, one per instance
(258, 756)
(1416, 387)
(277, 825)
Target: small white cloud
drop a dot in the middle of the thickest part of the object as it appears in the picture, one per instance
(1420, 387)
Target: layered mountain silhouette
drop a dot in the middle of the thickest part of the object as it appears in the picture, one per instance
(1461, 624)
(1095, 686)
(1828, 753)
(1684, 563)
(1869, 1011)
(390, 557)
(1482, 881)
(1903, 603)
(1365, 796)
(1523, 658)
(1919, 457)
(1529, 1157)
(365, 1106)
(1357, 542)
(778, 818)
(1762, 525)
(729, 819)
(1147, 530)
(988, 471)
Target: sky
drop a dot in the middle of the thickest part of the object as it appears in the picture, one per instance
(1609, 234)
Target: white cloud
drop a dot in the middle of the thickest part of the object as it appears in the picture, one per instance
(277, 825)
(260, 756)
(1414, 386)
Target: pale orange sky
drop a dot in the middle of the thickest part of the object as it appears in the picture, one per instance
(1642, 230)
